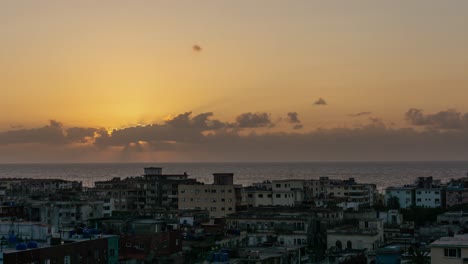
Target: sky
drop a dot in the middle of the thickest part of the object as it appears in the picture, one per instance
(266, 80)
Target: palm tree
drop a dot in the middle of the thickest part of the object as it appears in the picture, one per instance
(419, 256)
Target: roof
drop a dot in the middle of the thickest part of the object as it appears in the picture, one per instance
(456, 241)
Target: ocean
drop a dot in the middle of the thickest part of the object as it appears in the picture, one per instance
(383, 174)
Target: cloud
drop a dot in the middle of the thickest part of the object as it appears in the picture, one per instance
(181, 128)
(53, 133)
(202, 137)
(49, 134)
(360, 114)
(254, 120)
(293, 118)
(320, 101)
(196, 48)
(449, 119)
(80, 134)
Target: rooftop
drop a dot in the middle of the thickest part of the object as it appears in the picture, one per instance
(458, 241)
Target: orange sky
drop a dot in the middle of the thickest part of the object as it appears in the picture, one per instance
(115, 64)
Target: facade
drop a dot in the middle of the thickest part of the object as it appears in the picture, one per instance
(430, 197)
(144, 193)
(85, 250)
(457, 192)
(275, 193)
(285, 226)
(405, 195)
(369, 235)
(450, 250)
(220, 198)
(144, 248)
(453, 218)
(352, 195)
(425, 192)
(65, 214)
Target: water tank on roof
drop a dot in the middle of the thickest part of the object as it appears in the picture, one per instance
(32, 244)
(12, 238)
(21, 246)
(87, 233)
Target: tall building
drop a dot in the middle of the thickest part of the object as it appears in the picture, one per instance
(221, 198)
(143, 193)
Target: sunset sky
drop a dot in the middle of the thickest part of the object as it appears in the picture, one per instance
(126, 81)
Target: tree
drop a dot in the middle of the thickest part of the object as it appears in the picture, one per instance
(393, 203)
(419, 256)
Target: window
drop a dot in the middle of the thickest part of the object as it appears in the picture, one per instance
(278, 185)
(278, 195)
(260, 195)
(66, 260)
(452, 252)
(250, 195)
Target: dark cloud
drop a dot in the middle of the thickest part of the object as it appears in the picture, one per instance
(360, 114)
(80, 134)
(196, 48)
(49, 134)
(53, 133)
(188, 137)
(181, 128)
(320, 101)
(449, 119)
(254, 120)
(293, 118)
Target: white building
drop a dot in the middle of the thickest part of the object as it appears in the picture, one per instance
(430, 197)
(450, 250)
(219, 198)
(369, 235)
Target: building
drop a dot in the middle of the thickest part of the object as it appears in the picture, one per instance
(285, 226)
(453, 218)
(144, 193)
(275, 193)
(352, 195)
(63, 214)
(102, 249)
(405, 196)
(367, 235)
(457, 192)
(450, 250)
(220, 198)
(425, 192)
(144, 248)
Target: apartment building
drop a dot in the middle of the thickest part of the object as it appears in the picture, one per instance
(220, 198)
(143, 193)
(405, 196)
(274, 193)
(450, 250)
(352, 195)
(285, 226)
(425, 192)
(367, 235)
